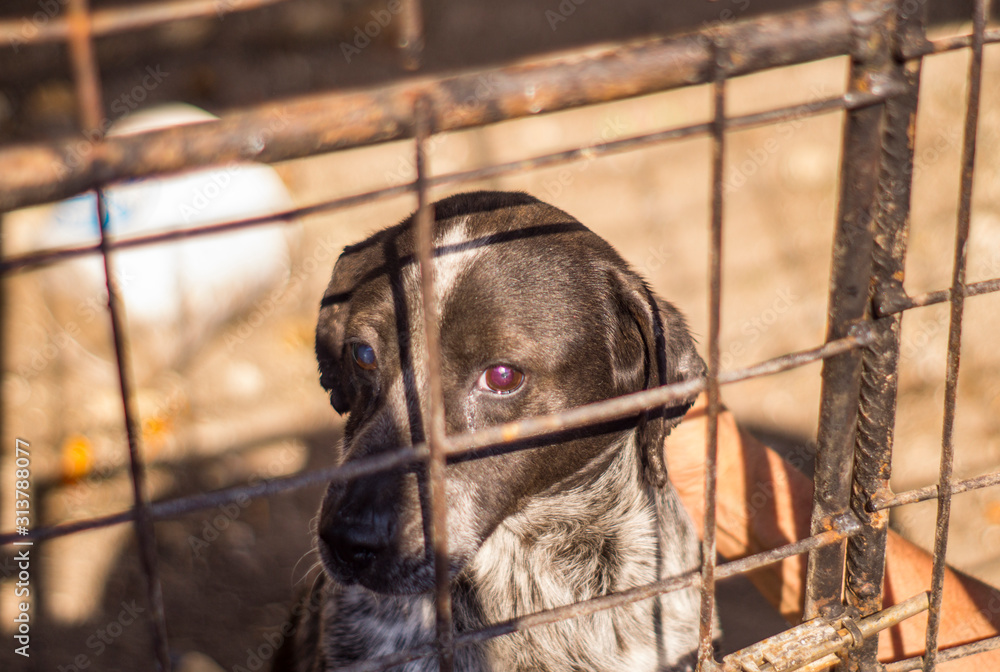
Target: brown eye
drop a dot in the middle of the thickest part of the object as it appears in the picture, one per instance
(501, 379)
(364, 356)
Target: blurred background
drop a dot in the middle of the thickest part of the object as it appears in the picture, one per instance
(222, 327)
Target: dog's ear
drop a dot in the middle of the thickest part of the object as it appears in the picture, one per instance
(655, 348)
(333, 312)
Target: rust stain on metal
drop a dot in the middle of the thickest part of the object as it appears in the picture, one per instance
(814, 645)
(509, 433)
(301, 127)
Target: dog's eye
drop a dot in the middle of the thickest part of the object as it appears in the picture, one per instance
(364, 356)
(501, 379)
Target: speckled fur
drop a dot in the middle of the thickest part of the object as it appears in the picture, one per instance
(564, 547)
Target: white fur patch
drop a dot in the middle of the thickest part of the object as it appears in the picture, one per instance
(452, 260)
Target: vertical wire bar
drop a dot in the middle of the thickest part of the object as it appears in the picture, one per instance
(879, 367)
(85, 72)
(411, 34)
(848, 305)
(88, 88)
(955, 335)
(706, 660)
(436, 439)
(143, 520)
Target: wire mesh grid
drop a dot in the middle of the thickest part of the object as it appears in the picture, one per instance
(866, 303)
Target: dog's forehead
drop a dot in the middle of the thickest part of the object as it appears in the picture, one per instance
(532, 250)
(531, 230)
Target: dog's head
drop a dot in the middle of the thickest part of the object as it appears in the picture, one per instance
(537, 315)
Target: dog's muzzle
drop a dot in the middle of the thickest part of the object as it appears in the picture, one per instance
(357, 528)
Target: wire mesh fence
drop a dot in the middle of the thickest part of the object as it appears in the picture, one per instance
(886, 43)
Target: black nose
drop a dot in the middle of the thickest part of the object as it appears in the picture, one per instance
(352, 546)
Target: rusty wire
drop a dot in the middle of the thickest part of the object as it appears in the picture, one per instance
(842, 528)
(33, 260)
(42, 172)
(123, 19)
(708, 548)
(470, 445)
(437, 442)
(957, 297)
(422, 107)
(88, 89)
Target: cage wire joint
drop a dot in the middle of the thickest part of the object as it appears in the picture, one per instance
(814, 645)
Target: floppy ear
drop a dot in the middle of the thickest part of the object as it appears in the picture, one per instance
(668, 355)
(333, 312)
(329, 354)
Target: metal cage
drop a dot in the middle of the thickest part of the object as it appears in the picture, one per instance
(885, 41)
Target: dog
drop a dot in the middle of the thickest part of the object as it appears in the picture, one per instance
(537, 314)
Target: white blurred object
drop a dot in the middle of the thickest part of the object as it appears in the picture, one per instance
(176, 294)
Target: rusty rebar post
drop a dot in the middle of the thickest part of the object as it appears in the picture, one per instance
(436, 439)
(955, 334)
(848, 303)
(879, 365)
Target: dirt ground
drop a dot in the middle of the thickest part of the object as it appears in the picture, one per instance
(247, 403)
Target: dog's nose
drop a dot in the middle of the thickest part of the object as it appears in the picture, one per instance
(353, 546)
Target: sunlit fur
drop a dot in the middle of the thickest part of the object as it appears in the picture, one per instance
(517, 282)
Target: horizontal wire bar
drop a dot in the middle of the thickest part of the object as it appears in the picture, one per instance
(46, 171)
(461, 446)
(890, 500)
(41, 258)
(892, 304)
(843, 527)
(17, 32)
(944, 655)
(946, 44)
(180, 506)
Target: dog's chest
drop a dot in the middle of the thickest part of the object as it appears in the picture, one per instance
(567, 549)
(523, 578)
